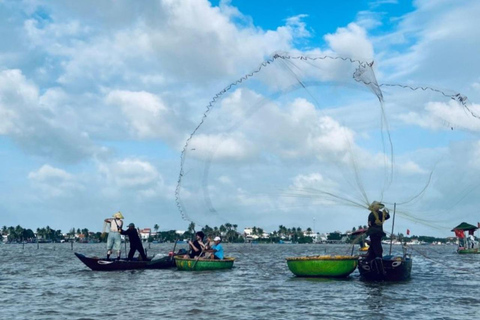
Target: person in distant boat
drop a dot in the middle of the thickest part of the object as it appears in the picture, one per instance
(471, 240)
(135, 242)
(216, 249)
(114, 241)
(196, 247)
(376, 218)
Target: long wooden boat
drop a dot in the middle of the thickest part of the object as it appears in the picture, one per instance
(187, 264)
(389, 268)
(322, 266)
(101, 264)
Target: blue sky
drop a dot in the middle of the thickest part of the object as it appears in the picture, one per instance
(96, 107)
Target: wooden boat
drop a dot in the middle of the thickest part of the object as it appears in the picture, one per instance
(389, 268)
(101, 264)
(322, 266)
(187, 264)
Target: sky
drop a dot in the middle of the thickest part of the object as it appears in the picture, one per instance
(102, 104)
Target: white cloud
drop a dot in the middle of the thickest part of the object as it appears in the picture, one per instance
(352, 42)
(144, 112)
(130, 173)
(439, 115)
(54, 182)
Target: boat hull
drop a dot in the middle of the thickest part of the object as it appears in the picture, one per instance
(98, 264)
(186, 264)
(468, 251)
(387, 269)
(323, 266)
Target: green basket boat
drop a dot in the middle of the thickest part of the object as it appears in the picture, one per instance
(187, 264)
(468, 251)
(323, 266)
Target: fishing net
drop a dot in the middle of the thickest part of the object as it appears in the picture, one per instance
(318, 136)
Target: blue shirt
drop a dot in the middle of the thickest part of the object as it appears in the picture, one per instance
(219, 252)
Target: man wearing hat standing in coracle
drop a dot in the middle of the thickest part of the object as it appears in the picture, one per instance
(135, 242)
(376, 218)
(114, 240)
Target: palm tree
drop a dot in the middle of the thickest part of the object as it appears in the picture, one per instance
(191, 227)
(156, 227)
(223, 229)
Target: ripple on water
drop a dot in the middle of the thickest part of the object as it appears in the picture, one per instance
(51, 283)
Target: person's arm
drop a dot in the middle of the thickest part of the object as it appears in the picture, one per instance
(192, 245)
(108, 220)
(207, 245)
(386, 214)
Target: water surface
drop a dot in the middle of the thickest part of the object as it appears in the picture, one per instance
(49, 282)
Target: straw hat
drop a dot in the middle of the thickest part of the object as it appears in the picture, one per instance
(375, 206)
(118, 215)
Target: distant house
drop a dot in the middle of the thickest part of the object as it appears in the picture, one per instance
(145, 233)
(248, 234)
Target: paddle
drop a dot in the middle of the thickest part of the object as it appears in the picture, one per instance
(173, 251)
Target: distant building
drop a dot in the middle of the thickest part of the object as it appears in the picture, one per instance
(248, 234)
(145, 233)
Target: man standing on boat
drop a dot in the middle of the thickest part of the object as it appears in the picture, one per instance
(114, 241)
(135, 242)
(376, 218)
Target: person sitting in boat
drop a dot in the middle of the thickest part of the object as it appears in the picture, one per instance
(376, 218)
(216, 249)
(135, 242)
(197, 247)
(471, 240)
(114, 241)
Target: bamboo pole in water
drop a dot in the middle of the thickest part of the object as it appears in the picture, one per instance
(393, 225)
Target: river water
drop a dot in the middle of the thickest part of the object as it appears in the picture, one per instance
(49, 282)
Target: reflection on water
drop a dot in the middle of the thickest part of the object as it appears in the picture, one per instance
(51, 283)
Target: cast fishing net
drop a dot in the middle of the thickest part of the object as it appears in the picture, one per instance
(305, 136)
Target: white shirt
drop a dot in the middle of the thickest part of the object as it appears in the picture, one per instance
(113, 225)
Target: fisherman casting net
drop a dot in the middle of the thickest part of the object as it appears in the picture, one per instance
(305, 136)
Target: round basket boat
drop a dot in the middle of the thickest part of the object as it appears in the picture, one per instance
(186, 264)
(322, 266)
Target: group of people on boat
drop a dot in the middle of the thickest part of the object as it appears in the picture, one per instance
(200, 248)
(114, 240)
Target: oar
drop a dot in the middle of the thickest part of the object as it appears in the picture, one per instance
(393, 224)
(173, 251)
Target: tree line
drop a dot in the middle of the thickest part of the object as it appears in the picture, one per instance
(227, 231)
